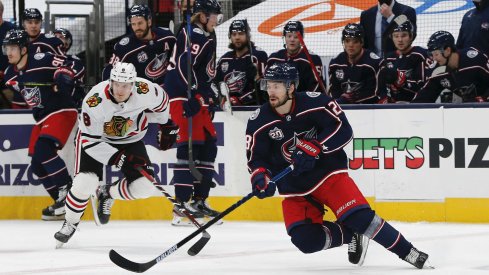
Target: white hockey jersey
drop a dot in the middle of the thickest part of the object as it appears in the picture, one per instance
(104, 122)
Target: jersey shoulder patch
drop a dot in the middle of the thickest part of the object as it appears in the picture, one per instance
(472, 53)
(142, 87)
(124, 41)
(93, 100)
(39, 56)
(255, 114)
(198, 30)
(313, 94)
(374, 55)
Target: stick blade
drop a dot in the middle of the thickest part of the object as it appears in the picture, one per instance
(122, 262)
(199, 245)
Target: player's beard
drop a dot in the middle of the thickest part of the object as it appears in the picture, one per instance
(141, 36)
(279, 102)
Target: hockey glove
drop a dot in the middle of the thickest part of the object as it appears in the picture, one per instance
(260, 181)
(192, 106)
(305, 155)
(167, 135)
(64, 78)
(124, 160)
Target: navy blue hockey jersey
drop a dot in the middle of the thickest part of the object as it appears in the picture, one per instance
(203, 51)
(149, 57)
(4, 28)
(46, 43)
(474, 30)
(415, 65)
(42, 99)
(469, 81)
(359, 80)
(307, 78)
(233, 70)
(271, 139)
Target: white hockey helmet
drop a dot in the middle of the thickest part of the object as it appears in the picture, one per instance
(123, 72)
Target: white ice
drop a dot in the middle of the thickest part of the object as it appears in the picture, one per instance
(27, 247)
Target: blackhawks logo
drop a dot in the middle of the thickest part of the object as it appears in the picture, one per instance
(142, 87)
(94, 100)
(117, 126)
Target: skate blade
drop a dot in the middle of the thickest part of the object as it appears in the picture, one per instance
(182, 221)
(428, 265)
(53, 218)
(94, 203)
(364, 254)
(59, 244)
(207, 219)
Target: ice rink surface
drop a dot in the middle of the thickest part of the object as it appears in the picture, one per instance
(27, 247)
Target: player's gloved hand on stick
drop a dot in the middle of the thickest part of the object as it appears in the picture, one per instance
(305, 155)
(64, 77)
(192, 106)
(124, 160)
(167, 135)
(262, 187)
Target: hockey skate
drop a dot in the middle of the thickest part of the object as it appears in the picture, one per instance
(418, 258)
(204, 207)
(357, 249)
(179, 219)
(65, 233)
(56, 211)
(105, 203)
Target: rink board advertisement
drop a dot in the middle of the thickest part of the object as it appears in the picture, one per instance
(412, 164)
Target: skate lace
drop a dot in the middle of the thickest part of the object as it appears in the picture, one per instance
(352, 246)
(67, 228)
(413, 255)
(107, 205)
(62, 192)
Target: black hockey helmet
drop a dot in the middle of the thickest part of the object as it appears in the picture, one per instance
(139, 11)
(239, 26)
(66, 34)
(16, 37)
(480, 4)
(31, 13)
(441, 40)
(293, 26)
(353, 30)
(207, 6)
(405, 27)
(282, 71)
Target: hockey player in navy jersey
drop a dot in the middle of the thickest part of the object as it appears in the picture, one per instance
(113, 121)
(294, 53)
(67, 38)
(40, 42)
(53, 109)
(193, 194)
(310, 130)
(404, 71)
(148, 48)
(236, 69)
(353, 73)
(461, 74)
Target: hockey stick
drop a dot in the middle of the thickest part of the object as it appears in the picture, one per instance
(191, 163)
(314, 71)
(119, 260)
(197, 247)
(224, 90)
(13, 83)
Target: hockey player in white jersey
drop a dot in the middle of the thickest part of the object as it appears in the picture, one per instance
(113, 121)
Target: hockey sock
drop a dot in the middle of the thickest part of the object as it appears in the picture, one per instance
(339, 234)
(54, 166)
(120, 190)
(75, 207)
(141, 188)
(202, 188)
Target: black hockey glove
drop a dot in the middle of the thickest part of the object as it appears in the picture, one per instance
(167, 135)
(260, 181)
(124, 160)
(64, 78)
(192, 106)
(305, 155)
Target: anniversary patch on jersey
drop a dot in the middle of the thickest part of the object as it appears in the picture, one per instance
(142, 57)
(472, 53)
(224, 67)
(313, 94)
(118, 126)
(374, 56)
(340, 74)
(276, 134)
(255, 114)
(124, 41)
(39, 56)
(142, 87)
(94, 100)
